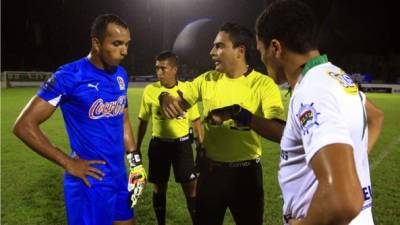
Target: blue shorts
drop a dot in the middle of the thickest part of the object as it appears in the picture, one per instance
(103, 203)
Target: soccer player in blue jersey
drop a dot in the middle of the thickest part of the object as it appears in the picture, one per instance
(92, 94)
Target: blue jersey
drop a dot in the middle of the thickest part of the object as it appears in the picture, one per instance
(92, 102)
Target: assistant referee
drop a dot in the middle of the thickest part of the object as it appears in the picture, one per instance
(170, 143)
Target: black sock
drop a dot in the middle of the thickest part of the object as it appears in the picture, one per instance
(159, 205)
(191, 205)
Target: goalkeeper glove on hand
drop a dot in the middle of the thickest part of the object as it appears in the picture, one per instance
(240, 115)
(137, 177)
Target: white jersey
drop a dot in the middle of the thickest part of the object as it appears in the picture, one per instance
(326, 108)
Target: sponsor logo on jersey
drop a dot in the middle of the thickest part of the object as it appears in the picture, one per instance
(121, 83)
(307, 117)
(367, 192)
(345, 81)
(100, 109)
(95, 86)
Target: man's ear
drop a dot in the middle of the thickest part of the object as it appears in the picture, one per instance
(242, 50)
(276, 47)
(175, 68)
(95, 44)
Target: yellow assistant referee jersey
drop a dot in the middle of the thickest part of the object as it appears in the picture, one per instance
(255, 91)
(162, 127)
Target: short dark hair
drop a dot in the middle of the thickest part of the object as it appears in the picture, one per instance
(99, 25)
(170, 56)
(240, 36)
(290, 21)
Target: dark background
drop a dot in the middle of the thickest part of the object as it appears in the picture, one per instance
(360, 36)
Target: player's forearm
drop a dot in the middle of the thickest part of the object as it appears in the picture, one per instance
(271, 129)
(129, 140)
(375, 119)
(141, 132)
(327, 208)
(35, 139)
(198, 131)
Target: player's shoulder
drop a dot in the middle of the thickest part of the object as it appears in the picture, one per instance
(72, 67)
(69, 72)
(328, 77)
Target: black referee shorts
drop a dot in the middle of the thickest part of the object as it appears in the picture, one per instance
(166, 152)
(237, 186)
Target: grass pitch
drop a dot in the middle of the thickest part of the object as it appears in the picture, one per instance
(31, 187)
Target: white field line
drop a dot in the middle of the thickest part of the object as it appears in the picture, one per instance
(395, 145)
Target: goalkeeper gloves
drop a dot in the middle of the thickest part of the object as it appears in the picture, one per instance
(137, 177)
(240, 115)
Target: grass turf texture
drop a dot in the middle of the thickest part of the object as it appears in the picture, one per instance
(31, 187)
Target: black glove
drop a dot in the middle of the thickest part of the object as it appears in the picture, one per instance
(240, 115)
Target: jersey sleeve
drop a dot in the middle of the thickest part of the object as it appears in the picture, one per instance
(145, 106)
(272, 106)
(194, 112)
(57, 88)
(319, 120)
(192, 92)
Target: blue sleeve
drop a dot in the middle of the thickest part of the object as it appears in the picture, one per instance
(126, 80)
(57, 88)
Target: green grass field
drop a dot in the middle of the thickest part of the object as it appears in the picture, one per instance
(31, 187)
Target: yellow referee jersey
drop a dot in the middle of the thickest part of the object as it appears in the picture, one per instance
(256, 92)
(150, 107)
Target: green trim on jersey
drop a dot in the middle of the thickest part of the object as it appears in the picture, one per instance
(256, 92)
(150, 108)
(321, 59)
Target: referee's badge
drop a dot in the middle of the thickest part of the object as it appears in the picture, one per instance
(121, 83)
(307, 117)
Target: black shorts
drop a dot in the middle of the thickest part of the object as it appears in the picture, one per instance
(164, 153)
(237, 186)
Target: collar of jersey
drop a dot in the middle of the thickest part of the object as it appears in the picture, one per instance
(101, 71)
(175, 85)
(321, 59)
(248, 71)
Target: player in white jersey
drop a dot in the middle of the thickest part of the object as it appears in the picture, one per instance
(331, 126)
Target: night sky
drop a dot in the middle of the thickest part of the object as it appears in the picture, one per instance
(43, 34)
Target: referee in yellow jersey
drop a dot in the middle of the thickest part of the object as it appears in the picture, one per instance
(170, 143)
(240, 104)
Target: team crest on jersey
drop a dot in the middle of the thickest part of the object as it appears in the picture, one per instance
(121, 83)
(100, 109)
(345, 81)
(307, 116)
